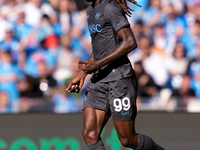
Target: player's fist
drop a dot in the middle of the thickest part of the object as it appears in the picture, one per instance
(76, 83)
(74, 89)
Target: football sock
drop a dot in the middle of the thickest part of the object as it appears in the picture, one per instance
(146, 143)
(96, 146)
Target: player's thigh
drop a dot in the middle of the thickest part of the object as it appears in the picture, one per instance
(96, 107)
(125, 129)
(126, 133)
(94, 120)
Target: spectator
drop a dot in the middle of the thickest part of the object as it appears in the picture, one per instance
(150, 58)
(29, 89)
(183, 94)
(64, 16)
(197, 10)
(194, 72)
(64, 103)
(160, 40)
(40, 87)
(193, 63)
(10, 44)
(74, 13)
(146, 86)
(25, 33)
(66, 59)
(177, 66)
(9, 76)
(4, 26)
(19, 5)
(196, 84)
(56, 26)
(8, 11)
(142, 50)
(41, 54)
(45, 81)
(138, 29)
(174, 25)
(45, 29)
(178, 6)
(191, 38)
(39, 10)
(153, 13)
(190, 16)
(22, 30)
(4, 103)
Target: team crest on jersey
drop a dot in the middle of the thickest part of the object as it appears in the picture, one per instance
(97, 16)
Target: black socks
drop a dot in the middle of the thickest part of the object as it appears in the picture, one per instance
(146, 143)
(96, 146)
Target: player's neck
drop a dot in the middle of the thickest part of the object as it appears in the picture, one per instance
(95, 2)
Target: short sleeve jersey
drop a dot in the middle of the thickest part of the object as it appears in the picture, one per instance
(105, 19)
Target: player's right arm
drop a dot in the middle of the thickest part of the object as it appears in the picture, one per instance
(77, 82)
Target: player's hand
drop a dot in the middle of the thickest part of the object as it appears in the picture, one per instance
(77, 82)
(88, 66)
(125, 7)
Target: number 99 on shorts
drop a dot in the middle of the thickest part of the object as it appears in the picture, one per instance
(122, 104)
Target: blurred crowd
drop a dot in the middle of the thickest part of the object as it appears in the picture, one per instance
(41, 41)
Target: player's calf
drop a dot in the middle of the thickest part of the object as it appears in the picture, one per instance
(96, 146)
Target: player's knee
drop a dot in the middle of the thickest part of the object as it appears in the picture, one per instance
(90, 135)
(124, 141)
(128, 142)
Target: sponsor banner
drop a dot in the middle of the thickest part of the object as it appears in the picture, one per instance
(63, 132)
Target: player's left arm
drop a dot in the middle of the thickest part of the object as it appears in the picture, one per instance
(127, 45)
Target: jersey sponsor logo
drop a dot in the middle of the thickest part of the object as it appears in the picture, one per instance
(95, 28)
(97, 16)
(125, 113)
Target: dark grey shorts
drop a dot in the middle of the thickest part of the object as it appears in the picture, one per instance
(115, 97)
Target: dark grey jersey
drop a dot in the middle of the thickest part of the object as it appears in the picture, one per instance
(105, 19)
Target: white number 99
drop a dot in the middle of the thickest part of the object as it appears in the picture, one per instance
(121, 104)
